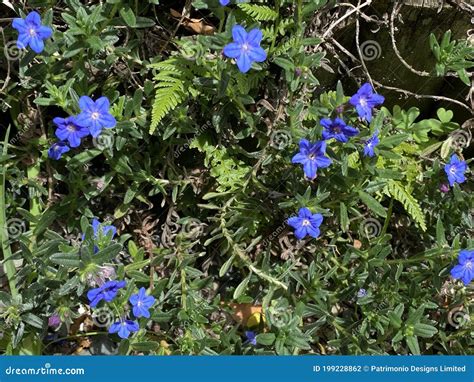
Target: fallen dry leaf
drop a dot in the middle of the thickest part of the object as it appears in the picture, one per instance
(197, 26)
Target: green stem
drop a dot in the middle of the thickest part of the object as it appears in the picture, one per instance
(9, 265)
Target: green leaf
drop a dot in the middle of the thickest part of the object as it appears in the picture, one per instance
(128, 16)
(284, 63)
(440, 234)
(107, 254)
(33, 320)
(241, 287)
(145, 346)
(424, 330)
(266, 338)
(372, 204)
(413, 345)
(70, 260)
(226, 266)
(344, 218)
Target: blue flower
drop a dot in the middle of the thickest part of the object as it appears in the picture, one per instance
(251, 337)
(465, 269)
(312, 157)
(124, 327)
(337, 129)
(141, 303)
(100, 230)
(455, 170)
(96, 225)
(245, 48)
(361, 293)
(57, 150)
(370, 144)
(69, 130)
(226, 2)
(106, 292)
(365, 100)
(31, 32)
(95, 115)
(306, 223)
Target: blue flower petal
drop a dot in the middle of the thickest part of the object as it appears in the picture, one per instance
(239, 34)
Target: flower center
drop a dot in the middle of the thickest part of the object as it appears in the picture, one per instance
(306, 222)
(337, 129)
(95, 115)
(469, 265)
(56, 148)
(139, 303)
(71, 128)
(311, 157)
(245, 47)
(369, 144)
(452, 170)
(363, 102)
(32, 32)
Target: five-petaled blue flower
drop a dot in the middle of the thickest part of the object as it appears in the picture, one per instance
(306, 223)
(69, 130)
(141, 303)
(365, 100)
(245, 48)
(251, 337)
(31, 32)
(455, 170)
(95, 115)
(106, 292)
(124, 327)
(312, 157)
(465, 269)
(57, 150)
(337, 129)
(370, 145)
